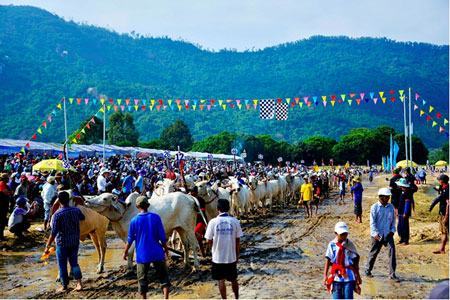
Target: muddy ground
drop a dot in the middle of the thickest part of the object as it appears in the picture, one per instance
(282, 257)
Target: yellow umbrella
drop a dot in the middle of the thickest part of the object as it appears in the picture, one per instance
(441, 163)
(403, 164)
(49, 165)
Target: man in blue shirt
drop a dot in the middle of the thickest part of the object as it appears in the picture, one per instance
(128, 183)
(382, 229)
(66, 230)
(147, 231)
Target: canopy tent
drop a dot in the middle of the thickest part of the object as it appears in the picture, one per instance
(441, 163)
(404, 164)
(8, 146)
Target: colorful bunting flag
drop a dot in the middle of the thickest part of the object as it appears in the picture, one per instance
(434, 124)
(431, 108)
(445, 121)
(59, 106)
(421, 112)
(441, 129)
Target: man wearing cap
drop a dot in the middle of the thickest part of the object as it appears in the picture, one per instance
(48, 196)
(405, 205)
(395, 190)
(357, 192)
(223, 234)
(382, 229)
(147, 231)
(343, 258)
(443, 200)
(102, 180)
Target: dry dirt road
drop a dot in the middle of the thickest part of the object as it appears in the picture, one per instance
(283, 256)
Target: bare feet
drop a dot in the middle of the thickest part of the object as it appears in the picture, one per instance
(79, 287)
(61, 289)
(439, 252)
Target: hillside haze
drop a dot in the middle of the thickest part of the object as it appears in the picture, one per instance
(43, 58)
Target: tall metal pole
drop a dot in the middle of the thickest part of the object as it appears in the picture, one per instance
(410, 130)
(406, 132)
(104, 131)
(65, 125)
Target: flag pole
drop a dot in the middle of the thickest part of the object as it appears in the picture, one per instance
(406, 131)
(410, 130)
(65, 124)
(104, 131)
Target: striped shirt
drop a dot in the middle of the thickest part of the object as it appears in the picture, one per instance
(331, 254)
(66, 226)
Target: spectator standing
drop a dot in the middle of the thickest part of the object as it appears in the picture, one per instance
(443, 200)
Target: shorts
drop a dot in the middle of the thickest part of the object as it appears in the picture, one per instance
(443, 225)
(161, 273)
(224, 271)
(342, 193)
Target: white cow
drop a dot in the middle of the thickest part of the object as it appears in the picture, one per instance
(177, 211)
(258, 194)
(240, 198)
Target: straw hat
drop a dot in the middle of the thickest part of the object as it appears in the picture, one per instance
(51, 179)
(402, 182)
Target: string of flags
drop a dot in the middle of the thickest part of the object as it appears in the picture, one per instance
(135, 104)
(433, 117)
(77, 135)
(43, 125)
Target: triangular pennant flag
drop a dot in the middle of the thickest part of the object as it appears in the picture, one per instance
(288, 100)
(315, 99)
(83, 131)
(27, 145)
(358, 101)
(343, 97)
(231, 105)
(39, 130)
(34, 136)
(201, 106)
(202, 101)
(375, 100)
(78, 136)
(186, 102)
(119, 101)
(301, 104)
(383, 99)
(108, 107)
(371, 95)
(22, 150)
(213, 101)
(401, 92)
(247, 106)
(136, 107)
(194, 107)
(102, 110)
(59, 106)
(143, 107)
(88, 126)
(179, 107)
(349, 102)
(49, 118)
(74, 140)
(352, 95)
(428, 118)
(94, 101)
(441, 129)
(424, 102)
(116, 107)
(381, 94)
(78, 101)
(392, 92)
(438, 115)
(238, 101)
(333, 102)
(445, 121)
(421, 112)
(169, 102)
(392, 99)
(434, 124)
(293, 104)
(70, 100)
(255, 102)
(93, 121)
(415, 107)
(402, 98)
(296, 100)
(417, 96)
(160, 101)
(102, 101)
(144, 102)
(324, 103)
(305, 99)
(431, 108)
(220, 102)
(224, 106)
(361, 95)
(44, 124)
(208, 107)
(186, 106)
(178, 101)
(324, 98)
(122, 107)
(111, 101)
(309, 103)
(240, 106)
(86, 101)
(127, 101)
(158, 107)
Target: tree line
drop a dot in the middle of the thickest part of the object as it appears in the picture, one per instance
(358, 145)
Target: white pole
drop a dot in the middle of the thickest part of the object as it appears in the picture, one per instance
(410, 130)
(104, 131)
(65, 125)
(406, 132)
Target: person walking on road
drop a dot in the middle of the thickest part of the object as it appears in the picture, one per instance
(382, 229)
(223, 234)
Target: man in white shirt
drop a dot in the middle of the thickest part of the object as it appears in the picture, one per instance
(48, 196)
(101, 181)
(223, 234)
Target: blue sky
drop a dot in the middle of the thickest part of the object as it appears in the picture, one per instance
(247, 24)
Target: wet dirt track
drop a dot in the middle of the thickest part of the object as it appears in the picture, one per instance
(282, 256)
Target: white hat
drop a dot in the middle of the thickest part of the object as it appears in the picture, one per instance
(340, 227)
(384, 192)
(104, 170)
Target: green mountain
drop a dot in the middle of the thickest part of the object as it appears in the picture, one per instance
(43, 58)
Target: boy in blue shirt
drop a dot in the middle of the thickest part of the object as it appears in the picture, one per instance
(147, 231)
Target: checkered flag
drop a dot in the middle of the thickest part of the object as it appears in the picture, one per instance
(66, 164)
(281, 111)
(266, 109)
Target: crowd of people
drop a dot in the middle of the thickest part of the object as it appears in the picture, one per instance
(27, 194)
